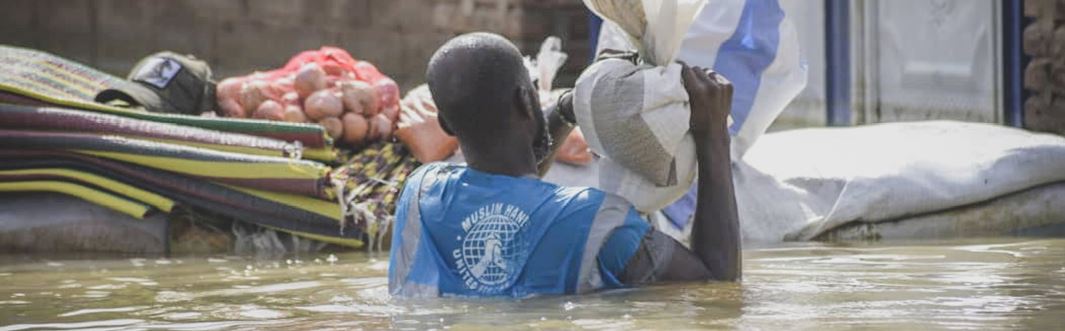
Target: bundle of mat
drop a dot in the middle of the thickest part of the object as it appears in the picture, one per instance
(135, 171)
(135, 166)
(54, 138)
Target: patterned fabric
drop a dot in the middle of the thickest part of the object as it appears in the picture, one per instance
(371, 180)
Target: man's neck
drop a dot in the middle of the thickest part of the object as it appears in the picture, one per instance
(501, 158)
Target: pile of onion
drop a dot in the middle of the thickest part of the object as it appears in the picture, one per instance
(352, 111)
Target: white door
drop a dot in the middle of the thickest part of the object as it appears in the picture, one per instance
(928, 59)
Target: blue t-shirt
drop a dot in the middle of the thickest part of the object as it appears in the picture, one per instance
(459, 231)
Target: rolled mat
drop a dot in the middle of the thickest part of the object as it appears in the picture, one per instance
(68, 120)
(247, 170)
(53, 118)
(119, 188)
(53, 80)
(163, 182)
(98, 197)
(285, 214)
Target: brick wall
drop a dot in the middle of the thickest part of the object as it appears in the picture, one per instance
(239, 36)
(1044, 77)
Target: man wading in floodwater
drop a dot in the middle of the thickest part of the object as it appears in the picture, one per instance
(492, 228)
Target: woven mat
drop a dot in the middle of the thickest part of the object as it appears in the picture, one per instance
(51, 75)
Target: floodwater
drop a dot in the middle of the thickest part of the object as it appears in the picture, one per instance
(982, 285)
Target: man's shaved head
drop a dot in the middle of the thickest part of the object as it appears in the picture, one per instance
(479, 82)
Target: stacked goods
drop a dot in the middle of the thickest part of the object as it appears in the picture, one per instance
(53, 138)
(351, 99)
(136, 167)
(35, 78)
(1044, 74)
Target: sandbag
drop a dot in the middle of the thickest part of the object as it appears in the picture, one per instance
(1034, 212)
(800, 184)
(634, 110)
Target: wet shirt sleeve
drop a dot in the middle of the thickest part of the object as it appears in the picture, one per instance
(620, 247)
(401, 254)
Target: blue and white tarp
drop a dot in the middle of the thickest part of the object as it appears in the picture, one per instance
(636, 115)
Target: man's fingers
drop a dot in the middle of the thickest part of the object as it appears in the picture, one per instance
(689, 77)
(719, 79)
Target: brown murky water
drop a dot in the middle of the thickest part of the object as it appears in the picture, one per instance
(982, 285)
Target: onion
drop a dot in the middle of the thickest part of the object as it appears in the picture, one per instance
(283, 85)
(381, 127)
(270, 110)
(291, 98)
(332, 126)
(387, 92)
(367, 71)
(253, 93)
(332, 68)
(231, 108)
(355, 129)
(321, 104)
(294, 114)
(359, 97)
(228, 88)
(392, 113)
(309, 78)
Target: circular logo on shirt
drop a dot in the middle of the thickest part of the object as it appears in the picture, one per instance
(488, 256)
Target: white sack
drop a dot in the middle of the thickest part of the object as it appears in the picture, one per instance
(799, 184)
(635, 114)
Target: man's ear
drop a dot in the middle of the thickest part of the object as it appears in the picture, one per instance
(443, 125)
(525, 101)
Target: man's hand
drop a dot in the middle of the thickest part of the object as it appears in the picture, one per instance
(710, 99)
(560, 121)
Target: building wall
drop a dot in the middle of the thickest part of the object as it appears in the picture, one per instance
(239, 36)
(1044, 77)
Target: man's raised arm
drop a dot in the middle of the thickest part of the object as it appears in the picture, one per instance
(716, 231)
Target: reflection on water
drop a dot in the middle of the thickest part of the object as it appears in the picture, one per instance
(961, 285)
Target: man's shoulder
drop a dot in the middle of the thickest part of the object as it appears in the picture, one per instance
(436, 169)
(431, 172)
(441, 172)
